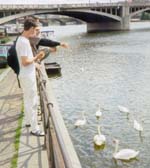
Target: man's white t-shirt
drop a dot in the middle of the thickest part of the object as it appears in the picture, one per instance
(23, 48)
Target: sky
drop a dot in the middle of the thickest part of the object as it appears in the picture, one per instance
(54, 1)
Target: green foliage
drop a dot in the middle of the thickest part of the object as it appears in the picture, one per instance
(17, 141)
(145, 16)
(4, 40)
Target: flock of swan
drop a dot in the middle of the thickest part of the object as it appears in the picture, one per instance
(100, 139)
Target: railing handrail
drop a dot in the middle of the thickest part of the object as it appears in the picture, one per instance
(67, 149)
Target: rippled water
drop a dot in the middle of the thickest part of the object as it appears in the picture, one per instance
(116, 72)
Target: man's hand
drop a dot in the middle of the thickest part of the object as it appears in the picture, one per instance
(64, 45)
(40, 55)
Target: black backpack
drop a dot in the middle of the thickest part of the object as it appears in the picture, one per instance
(12, 60)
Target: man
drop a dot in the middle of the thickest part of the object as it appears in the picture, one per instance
(27, 75)
(37, 41)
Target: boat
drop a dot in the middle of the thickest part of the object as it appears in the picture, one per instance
(52, 68)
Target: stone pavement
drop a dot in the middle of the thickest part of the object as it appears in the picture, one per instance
(31, 153)
(10, 110)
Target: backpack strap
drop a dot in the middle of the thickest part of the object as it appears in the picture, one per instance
(17, 58)
(16, 40)
(18, 82)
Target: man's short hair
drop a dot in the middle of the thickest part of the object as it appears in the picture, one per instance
(30, 22)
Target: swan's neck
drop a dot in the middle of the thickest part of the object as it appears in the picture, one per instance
(99, 130)
(116, 147)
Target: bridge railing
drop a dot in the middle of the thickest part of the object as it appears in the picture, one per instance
(51, 6)
(67, 5)
(60, 150)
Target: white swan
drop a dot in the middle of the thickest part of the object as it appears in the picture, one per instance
(124, 154)
(123, 109)
(99, 139)
(81, 122)
(98, 112)
(137, 126)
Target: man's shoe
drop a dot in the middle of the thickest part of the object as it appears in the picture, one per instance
(38, 133)
(28, 125)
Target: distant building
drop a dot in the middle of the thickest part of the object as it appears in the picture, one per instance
(2, 31)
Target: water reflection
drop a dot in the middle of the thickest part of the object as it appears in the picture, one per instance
(97, 148)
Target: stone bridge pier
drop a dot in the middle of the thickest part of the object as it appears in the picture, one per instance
(108, 24)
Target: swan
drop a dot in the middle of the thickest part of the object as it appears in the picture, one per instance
(124, 154)
(99, 139)
(98, 112)
(123, 109)
(81, 122)
(137, 126)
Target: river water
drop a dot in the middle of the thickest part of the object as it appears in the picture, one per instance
(106, 69)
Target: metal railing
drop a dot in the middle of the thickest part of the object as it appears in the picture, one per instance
(60, 150)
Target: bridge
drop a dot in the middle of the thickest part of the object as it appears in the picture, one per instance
(98, 16)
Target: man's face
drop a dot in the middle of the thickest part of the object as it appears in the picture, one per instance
(37, 31)
(32, 31)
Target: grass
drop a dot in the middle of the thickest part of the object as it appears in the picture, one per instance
(1, 70)
(4, 40)
(17, 141)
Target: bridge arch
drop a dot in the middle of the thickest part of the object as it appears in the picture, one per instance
(86, 15)
(15, 16)
(139, 11)
(89, 15)
(96, 20)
